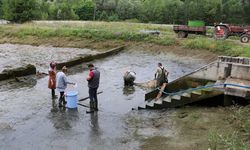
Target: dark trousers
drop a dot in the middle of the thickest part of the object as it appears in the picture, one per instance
(62, 98)
(53, 93)
(93, 103)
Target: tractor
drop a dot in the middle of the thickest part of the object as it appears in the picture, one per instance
(223, 31)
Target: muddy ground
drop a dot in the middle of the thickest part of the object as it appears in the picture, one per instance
(13, 56)
(30, 119)
(191, 127)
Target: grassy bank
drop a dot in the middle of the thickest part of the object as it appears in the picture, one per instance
(214, 128)
(120, 32)
(236, 138)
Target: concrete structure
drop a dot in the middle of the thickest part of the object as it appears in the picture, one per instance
(228, 76)
(2, 22)
(18, 72)
(31, 69)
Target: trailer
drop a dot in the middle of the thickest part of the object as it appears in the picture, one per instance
(193, 27)
(182, 31)
(223, 31)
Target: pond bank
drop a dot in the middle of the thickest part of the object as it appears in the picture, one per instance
(12, 72)
(18, 72)
(107, 34)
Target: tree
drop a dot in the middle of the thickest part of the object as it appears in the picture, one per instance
(171, 11)
(86, 11)
(65, 12)
(20, 10)
(1, 12)
(246, 8)
(129, 9)
(232, 11)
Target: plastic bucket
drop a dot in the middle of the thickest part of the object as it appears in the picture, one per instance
(71, 98)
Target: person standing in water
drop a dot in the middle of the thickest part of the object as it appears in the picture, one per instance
(52, 78)
(93, 84)
(62, 82)
(161, 77)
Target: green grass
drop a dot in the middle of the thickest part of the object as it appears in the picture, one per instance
(125, 31)
(218, 46)
(238, 138)
(229, 141)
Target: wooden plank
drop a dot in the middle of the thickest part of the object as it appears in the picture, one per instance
(83, 99)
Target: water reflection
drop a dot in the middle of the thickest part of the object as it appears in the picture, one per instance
(128, 90)
(94, 124)
(17, 83)
(63, 118)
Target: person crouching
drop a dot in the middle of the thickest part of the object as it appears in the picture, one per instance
(129, 78)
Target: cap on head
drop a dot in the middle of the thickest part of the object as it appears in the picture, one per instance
(64, 68)
(90, 65)
(159, 64)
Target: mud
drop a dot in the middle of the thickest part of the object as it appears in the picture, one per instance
(63, 42)
(18, 72)
(30, 119)
(14, 56)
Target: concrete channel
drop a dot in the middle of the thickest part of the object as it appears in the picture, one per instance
(30, 119)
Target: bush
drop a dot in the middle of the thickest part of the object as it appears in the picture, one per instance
(102, 15)
(86, 12)
(113, 17)
(21, 10)
(132, 20)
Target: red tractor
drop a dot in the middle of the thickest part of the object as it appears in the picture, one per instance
(223, 31)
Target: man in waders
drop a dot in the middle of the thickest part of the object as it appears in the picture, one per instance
(93, 84)
(161, 77)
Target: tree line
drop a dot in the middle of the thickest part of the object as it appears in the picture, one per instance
(154, 11)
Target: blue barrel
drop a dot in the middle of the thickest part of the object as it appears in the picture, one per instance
(71, 98)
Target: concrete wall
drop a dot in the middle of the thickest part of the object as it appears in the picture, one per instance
(18, 72)
(31, 69)
(236, 67)
(88, 58)
(214, 71)
(240, 71)
(223, 68)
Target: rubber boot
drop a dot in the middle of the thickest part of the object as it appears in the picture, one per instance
(64, 102)
(91, 107)
(53, 94)
(60, 103)
(96, 106)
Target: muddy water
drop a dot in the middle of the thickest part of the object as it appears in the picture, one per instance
(30, 119)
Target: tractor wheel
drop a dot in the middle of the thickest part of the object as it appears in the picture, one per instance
(245, 38)
(182, 34)
(221, 32)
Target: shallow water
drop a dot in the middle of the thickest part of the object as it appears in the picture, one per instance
(30, 119)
